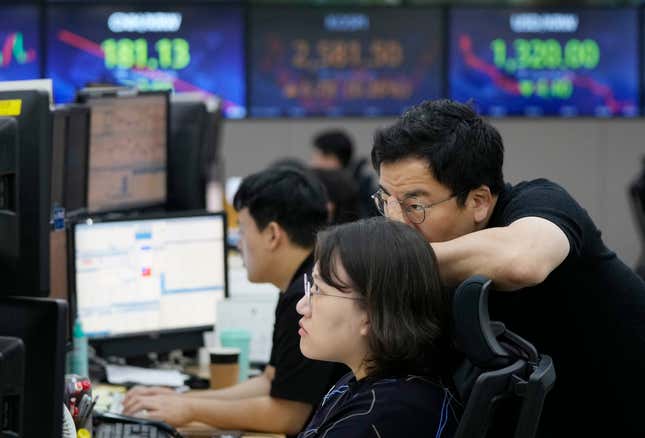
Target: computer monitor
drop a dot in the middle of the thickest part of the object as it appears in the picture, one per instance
(70, 140)
(193, 152)
(9, 239)
(12, 381)
(30, 108)
(544, 61)
(70, 150)
(149, 284)
(343, 61)
(127, 149)
(183, 46)
(20, 53)
(40, 323)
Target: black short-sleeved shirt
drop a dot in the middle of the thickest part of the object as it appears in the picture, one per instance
(588, 315)
(296, 377)
(384, 408)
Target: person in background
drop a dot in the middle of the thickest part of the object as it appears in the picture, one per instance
(558, 285)
(375, 302)
(334, 150)
(343, 204)
(280, 210)
(342, 193)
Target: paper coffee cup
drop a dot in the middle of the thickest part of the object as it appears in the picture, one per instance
(224, 366)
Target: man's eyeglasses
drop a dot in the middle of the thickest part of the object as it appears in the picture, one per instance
(310, 290)
(413, 209)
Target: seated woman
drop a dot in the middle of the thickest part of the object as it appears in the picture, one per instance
(377, 305)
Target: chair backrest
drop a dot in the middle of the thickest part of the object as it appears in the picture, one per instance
(503, 381)
(636, 195)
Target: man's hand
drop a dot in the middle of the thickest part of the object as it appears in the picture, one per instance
(141, 391)
(393, 210)
(174, 410)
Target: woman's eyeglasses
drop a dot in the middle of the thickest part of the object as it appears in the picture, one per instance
(311, 290)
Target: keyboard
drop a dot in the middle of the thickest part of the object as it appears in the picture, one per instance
(110, 425)
(128, 430)
(110, 398)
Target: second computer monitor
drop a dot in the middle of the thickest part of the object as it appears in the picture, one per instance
(146, 279)
(127, 150)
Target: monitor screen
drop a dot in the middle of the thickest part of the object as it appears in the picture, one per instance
(19, 42)
(127, 151)
(580, 62)
(197, 48)
(149, 275)
(343, 62)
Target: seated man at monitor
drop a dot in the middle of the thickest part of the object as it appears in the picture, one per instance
(280, 211)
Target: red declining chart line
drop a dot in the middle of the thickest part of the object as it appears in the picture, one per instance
(512, 86)
(507, 84)
(79, 42)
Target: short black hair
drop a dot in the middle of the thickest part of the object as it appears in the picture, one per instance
(335, 142)
(395, 269)
(463, 151)
(294, 199)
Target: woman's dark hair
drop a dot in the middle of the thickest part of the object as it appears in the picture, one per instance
(296, 200)
(395, 269)
(462, 150)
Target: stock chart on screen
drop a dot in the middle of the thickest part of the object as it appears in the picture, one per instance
(546, 62)
(343, 61)
(193, 48)
(19, 42)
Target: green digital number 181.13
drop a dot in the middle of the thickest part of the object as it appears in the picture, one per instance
(172, 54)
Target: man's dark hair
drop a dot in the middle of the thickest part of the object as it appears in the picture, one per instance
(337, 143)
(392, 266)
(463, 151)
(294, 199)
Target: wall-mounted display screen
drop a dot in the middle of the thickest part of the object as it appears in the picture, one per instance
(19, 42)
(545, 62)
(196, 48)
(343, 62)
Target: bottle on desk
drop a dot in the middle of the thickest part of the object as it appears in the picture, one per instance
(77, 359)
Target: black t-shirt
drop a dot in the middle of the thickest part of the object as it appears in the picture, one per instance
(399, 407)
(296, 377)
(588, 315)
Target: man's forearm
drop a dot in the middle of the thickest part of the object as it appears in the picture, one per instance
(254, 387)
(481, 253)
(265, 414)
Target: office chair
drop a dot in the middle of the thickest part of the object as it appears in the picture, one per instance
(503, 380)
(636, 194)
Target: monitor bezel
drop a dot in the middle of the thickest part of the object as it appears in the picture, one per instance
(122, 342)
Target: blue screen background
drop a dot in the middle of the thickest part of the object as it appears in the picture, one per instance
(19, 62)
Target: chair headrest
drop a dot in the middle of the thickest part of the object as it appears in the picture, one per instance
(475, 334)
